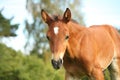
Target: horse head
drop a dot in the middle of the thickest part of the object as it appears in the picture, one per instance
(57, 35)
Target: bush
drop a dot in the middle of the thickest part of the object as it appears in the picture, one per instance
(16, 66)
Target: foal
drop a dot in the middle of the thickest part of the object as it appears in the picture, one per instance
(83, 51)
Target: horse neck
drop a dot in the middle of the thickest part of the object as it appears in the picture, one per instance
(75, 28)
(75, 31)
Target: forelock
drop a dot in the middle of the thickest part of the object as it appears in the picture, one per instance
(57, 17)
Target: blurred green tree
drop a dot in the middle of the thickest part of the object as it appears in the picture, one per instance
(36, 31)
(16, 66)
(6, 28)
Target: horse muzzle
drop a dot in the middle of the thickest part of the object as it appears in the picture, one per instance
(57, 64)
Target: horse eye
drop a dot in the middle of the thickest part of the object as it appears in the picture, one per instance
(48, 37)
(66, 37)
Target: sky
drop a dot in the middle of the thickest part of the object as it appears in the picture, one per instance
(16, 9)
(94, 11)
(102, 12)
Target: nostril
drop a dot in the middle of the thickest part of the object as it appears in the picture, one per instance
(60, 61)
(53, 62)
(56, 64)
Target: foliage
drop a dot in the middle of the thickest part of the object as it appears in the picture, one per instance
(107, 74)
(16, 66)
(6, 29)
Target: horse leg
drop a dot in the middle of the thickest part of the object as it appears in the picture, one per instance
(69, 77)
(97, 74)
(114, 69)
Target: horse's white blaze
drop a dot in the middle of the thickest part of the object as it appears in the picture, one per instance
(56, 30)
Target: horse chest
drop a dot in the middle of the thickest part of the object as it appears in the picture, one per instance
(74, 68)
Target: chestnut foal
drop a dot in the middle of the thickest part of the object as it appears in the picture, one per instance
(83, 51)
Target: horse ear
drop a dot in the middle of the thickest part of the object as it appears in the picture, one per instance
(67, 15)
(45, 17)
